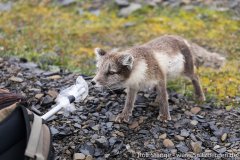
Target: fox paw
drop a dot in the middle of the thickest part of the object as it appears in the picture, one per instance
(164, 118)
(201, 98)
(122, 117)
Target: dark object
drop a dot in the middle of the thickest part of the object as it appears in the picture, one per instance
(7, 99)
(23, 135)
(71, 98)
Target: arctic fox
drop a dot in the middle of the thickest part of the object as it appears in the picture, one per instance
(151, 64)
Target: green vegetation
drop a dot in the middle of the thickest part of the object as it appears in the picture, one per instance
(67, 38)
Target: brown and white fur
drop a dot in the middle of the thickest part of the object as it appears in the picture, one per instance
(151, 64)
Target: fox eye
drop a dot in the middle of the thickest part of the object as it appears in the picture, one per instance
(112, 72)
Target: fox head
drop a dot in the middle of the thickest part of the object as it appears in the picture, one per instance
(113, 69)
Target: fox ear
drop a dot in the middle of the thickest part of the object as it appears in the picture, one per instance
(99, 52)
(127, 60)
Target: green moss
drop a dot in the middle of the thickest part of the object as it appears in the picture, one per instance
(33, 31)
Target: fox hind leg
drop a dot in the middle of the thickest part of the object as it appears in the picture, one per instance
(197, 87)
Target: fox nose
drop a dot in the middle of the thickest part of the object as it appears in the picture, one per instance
(93, 82)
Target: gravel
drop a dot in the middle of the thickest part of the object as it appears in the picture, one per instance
(91, 132)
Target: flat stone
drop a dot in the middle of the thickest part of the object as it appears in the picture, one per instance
(29, 65)
(112, 140)
(77, 125)
(54, 77)
(173, 151)
(89, 157)
(102, 141)
(184, 133)
(182, 147)
(66, 2)
(5, 6)
(16, 79)
(96, 127)
(194, 122)
(134, 125)
(54, 130)
(221, 150)
(78, 156)
(109, 124)
(124, 12)
(122, 3)
(196, 147)
(36, 90)
(216, 147)
(119, 133)
(151, 146)
(179, 138)
(168, 143)
(195, 110)
(224, 137)
(39, 96)
(87, 149)
(52, 93)
(163, 136)
(47, 100)
(68, 152)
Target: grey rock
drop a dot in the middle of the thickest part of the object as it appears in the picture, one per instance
(122, 3)
(47, 100)
(96, 114)
(219, 132)
(196, 147)
(66, 2)
(5, 6)
(224, 137)
(143, 132)
(117, 147)
(112, 141)
(184, 133)
(83, 117)
(194, 122)
(182, 147)
(221, 150)
(87, 149)
(16, 79)
(96, 127)
(48, 73)
(110, 116)
(54, 131)
(153, 3)
(124, 12)
(173, 151)
(179, 138)
(80, 11)
(78, 156)
(53, 68)
(28, 65)
(141, 99)
(109, 125)
(168, 143)
(98, 152)
(129, 24)
(95, 12)
(151, 146)
(102, 142)
(214, 139)
(77, 125)
(193, 137)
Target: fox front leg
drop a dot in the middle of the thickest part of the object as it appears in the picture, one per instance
(129, 105)
(162, 99)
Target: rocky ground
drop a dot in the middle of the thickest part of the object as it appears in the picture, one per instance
(196, 130)
(126, 7)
